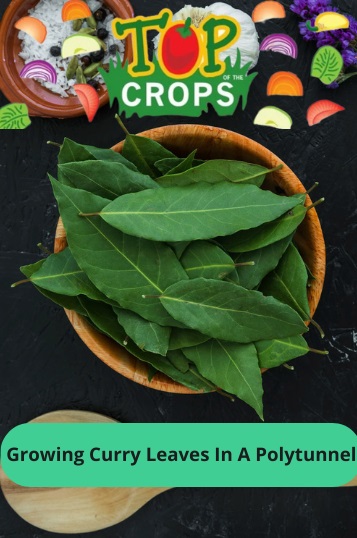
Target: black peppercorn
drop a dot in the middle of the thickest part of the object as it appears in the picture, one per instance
(94, 83)
(100, 14)
(113, 49)
(97, 56)
(86, 61)
(55, 51)
(102, 33)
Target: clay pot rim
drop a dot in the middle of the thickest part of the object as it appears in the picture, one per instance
(39, 100)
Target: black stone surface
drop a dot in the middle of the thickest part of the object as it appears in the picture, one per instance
(44, 366)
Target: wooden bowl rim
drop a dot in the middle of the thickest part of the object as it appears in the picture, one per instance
(40, 100)
(114, 355)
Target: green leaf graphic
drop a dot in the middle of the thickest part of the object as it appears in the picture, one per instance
(14, 116)
(327, 64)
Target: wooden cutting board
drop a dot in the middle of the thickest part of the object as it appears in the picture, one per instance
(74, 510)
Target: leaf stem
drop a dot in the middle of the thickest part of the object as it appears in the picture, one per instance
(44, 249)
(315, 204)
(88, 214)
(318, 351)
(318, 327)
(276, 168)
(243, 264)
(50, 143)
(151, 171)
(315, 185)
(288, 367)
(216, 389)
(119, 120)
(20, 282)
(151, 296)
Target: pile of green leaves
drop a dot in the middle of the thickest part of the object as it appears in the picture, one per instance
(189, 264)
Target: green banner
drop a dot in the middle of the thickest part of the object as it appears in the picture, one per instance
(161, 95)
(170, 455)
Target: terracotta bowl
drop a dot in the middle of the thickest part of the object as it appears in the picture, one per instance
(211, 143)
(41, 101)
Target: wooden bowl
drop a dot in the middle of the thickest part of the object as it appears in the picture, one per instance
(211, 142)
(41, 101)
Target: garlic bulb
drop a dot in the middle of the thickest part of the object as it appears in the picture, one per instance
(247, 42)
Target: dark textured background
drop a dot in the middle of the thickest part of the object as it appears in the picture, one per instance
(44, 365)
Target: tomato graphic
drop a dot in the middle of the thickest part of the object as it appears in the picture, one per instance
(180, 49)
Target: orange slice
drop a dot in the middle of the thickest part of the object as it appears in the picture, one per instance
(75, 9)
(268, 10)
(285, 83)
(33, 27)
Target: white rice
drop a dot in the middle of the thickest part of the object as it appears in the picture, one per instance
(50, 13)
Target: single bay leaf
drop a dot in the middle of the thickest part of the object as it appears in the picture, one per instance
(144, 153)
(232, 367)
(147, 335)
(178, 164)
(226, 311)
(151, 372)
(66, 301)
(122, 267)
(199, 211)
(327, 64)
(104, 178)
(216, 171)
(265, 234)
(181, 338)
(288, 282)
(106, 321)
(71, 152)
(180, 362)
(60, 274)
(265, 260)
(179, 247)
(274, 353)
(311, 277)
(204, 259)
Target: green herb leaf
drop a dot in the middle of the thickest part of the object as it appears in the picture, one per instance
(273, 353)
(179, 247)
(70, 303)
(73, 152)
(178, 164)
(181, 338)
(265, 260)
(204, 259)
(288, 282)
(104, 178)
(122, 267)
(60, 274)
(229, 312)
(216, 171)
(14, 116)
(104, 318)
(327, 64)
(232, 367)
(193, 212)
(144, 153)
(147, 335)
(266, 234)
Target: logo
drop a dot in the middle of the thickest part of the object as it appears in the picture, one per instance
(187, 71)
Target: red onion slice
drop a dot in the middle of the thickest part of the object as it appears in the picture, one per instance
(39, 69)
